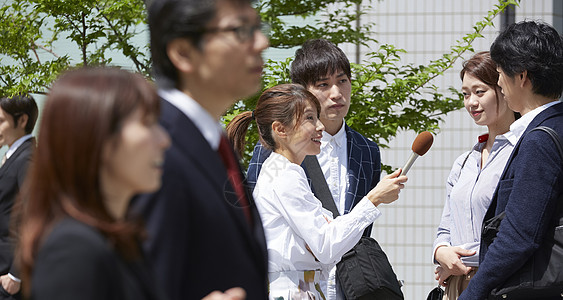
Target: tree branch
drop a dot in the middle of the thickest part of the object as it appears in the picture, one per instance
(69, 20)
(35, 52)
(84, 43)
(45, 48)
(3, 80)
(467, 42)
(139, 65)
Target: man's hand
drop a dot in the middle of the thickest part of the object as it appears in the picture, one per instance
(11, 286)
(230, 294)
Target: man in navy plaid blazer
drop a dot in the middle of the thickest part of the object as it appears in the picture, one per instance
(350, 162)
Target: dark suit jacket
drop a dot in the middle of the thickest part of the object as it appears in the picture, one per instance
(199, 239)
(12, 175)
(77, 262)
(364, 167)
(528, 192)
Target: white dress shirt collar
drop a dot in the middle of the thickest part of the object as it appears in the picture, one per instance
(519, 126)
(207, 125)
(333, 160)
(17, 144)
(339, 139)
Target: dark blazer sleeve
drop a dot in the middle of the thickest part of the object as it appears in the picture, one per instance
(528, 192)
(259, 155)
(75, 262)
(364, 166)
(167, 214)
(24, 165)
(21, 175)
(12, 176)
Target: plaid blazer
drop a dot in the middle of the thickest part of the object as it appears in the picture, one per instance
(364, 166)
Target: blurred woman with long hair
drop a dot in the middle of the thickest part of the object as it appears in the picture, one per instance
(99, 145)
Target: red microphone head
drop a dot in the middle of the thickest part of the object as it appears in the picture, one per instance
(422, 143)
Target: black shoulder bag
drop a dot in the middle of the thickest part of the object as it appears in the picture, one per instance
(363, 272)
(542, 275)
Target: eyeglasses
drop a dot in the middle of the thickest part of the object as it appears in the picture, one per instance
(244, 32)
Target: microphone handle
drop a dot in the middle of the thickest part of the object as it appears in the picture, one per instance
(409, 163)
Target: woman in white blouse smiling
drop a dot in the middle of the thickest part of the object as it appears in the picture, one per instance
(303, 240)
(474, 176)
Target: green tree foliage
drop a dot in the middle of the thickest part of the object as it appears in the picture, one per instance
(333, 20)
(31, 29)
(386, 97)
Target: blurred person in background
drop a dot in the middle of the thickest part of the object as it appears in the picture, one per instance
(18, 115)
(204, 232)
(99, 144)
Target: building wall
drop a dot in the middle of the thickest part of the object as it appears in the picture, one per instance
(426, 29)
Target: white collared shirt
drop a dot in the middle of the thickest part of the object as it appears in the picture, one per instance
(334, 164)
(210, 128)
(294, 219)
(519, 126)
(16, 145)
(470, 189)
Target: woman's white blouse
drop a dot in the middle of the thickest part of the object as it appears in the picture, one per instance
(293, 218)
(470, 189)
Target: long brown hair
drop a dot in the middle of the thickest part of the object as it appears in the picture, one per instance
(284, 103)
(84, 109)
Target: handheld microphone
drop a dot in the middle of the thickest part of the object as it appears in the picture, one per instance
(420, 146)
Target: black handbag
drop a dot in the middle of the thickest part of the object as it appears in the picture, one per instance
(364, 272)
(541, 277)
(436, 293)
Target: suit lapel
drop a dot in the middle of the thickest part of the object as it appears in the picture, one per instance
(189, 140)
(554, 110)
(354, 160)
(23, 148)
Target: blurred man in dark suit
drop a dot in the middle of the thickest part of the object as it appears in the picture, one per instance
(18, 115)
(204, 232)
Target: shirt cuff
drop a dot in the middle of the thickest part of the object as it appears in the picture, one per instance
(370, 211)
(434, 252)
(14, 278)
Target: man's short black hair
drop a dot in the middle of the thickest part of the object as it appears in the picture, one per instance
(534, 47)
(317, 59)
(171, 19)
(18, 106)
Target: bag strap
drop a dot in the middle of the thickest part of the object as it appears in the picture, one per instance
(555, 137)
(322, 192)
(465, 160)
(558, 143)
